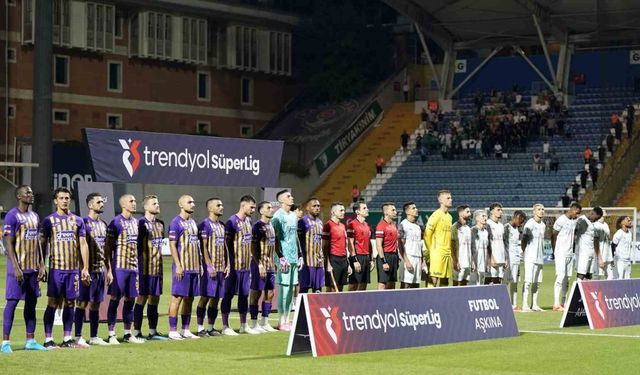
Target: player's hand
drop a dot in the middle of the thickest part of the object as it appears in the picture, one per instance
(17, 273)
(263, 272)
(456, 266)
(601, 263)
(357, 267)
(329, 268)
(227, 272)
(349, 271)
(473, 267)
(372, 265)
(109, 278)
(300, 262)
(493, 262)
(42, 274)
(179, 272)
(385, 267)
(284, 265)
(409, 267)
(85, 277)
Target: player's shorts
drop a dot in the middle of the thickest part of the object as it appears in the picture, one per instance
(212, 287)
(93, 292)
(63, 284)
(340, 271)
(440, 265)
(532, 272)
(124, 284)
(311, 278)
(623, 266)
(237, 283)
(364, 276)
(564, 265)
(408, 277)
(512, 273)
(288, 278)
(258, 283)
(189, 286)
(463, 275)
(29, 287)
(150, 285)
(585, 264)
(497, 270)
(390, 276)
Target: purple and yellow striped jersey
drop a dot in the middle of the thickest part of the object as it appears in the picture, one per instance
(150, 236)
(185, 234)
(62, 234)
(23, 227)
(213, 232)
(310, 234)
(239, 242)
(122, 233)
(265, 237)
(96, 234)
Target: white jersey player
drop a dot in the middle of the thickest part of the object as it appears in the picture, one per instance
(533, 243)
(461, 247)
(481, 246)
(562, 241)
(512, 242)
(499, 258)
(410, 234)
(622, 244)
(588, 243)
(604, 235)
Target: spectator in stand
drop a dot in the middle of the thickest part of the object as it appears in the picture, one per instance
(575, 190)
(555, 162)
(423, 154)
(631, 118)
(614, 118)
(587, 154)
(355, 193)
(602, 153)
(610, 142)
(547, 164)
(537, 163)
(404, 140)
(424, 116)
(551, 125)
(617, 126)
(566, 200)
(583, 177)
(419, 142)
(379, 164)
(405, 90)
(545, 148)
(593, 171)
(497, 149)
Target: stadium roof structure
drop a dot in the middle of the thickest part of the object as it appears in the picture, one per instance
(471, 24)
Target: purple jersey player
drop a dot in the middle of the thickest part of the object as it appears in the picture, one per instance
(121, 252)
(150, 238)
(216, 266)
(238, 238)
(187, 266)
(63, 234)
(310, 235)
(263, 269)
(25, 267)
(92, 295)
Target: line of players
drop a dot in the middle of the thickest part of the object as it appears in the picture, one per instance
(213, 260)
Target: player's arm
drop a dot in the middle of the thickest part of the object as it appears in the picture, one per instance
(554, 238)
(527, 236)
(257, 235)
(109, 246)
(489, 247)
(454, 247)
(596, 247)
(204, 245)
(9, 240)
(614, 242)
(229, 236)
(474, 250)
(176, 259)
(402, 237)
(505, 237)
(429, 231)
(326, 246)
(84, 255)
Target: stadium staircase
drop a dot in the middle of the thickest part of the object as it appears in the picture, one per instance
(358, 167)
(512, 181)
(630, 197)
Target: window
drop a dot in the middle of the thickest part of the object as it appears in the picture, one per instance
(119, 24)
(279, 53)
(27, 21)
(11, 111)
(114, 121)
(158, 34)
(11, 3)
(61, 70)
(204, 86)
(246, 131)
(61, 116)
(203, 128)
(11, 55)
(194, 40)
(61, 25)
(114, 76)
(101, 25)
(246, 91)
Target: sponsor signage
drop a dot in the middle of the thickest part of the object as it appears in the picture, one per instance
(634, 56)
(160, 158)
(461, 66)
(350, 322)
(330, 154)
(603, 304)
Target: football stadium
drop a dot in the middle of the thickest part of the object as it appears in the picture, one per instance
(320, 186)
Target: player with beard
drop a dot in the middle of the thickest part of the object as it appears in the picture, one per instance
(310, 237)
(359, 237)
(588, 241)
(481, 246)
(512, 239)
(387, 245)
(562, 242)
(461, 247)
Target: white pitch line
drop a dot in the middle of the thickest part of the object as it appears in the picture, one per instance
(581, 334)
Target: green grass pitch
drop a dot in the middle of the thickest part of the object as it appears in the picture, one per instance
(548, 350)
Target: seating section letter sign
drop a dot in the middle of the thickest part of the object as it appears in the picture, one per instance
(603, 304)
(350, 322)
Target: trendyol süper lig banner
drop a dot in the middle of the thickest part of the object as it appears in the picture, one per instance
(349, 322)
(161, 158)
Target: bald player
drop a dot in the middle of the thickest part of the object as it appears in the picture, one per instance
(150, 237)
(216, 266)
(64, 235)
(310, 236)
(334, 245)
(185, 281)
(25, 267)
(437, 236)
(121, 254)
(387, 245)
